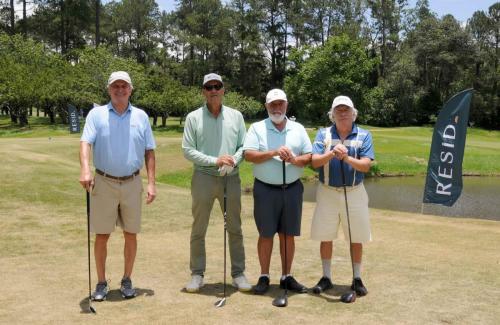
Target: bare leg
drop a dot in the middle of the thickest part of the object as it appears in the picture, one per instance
(290, 252)
(100, 254)
(129, 252)
(265, 249)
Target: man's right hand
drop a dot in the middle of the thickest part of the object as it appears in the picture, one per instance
(86, 179)
(225, 160)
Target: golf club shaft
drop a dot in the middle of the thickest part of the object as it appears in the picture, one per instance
(225, 230)
(88, 243)
(284, 221)
(347, 214)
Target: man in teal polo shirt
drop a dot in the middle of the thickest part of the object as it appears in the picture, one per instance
(213, 140)
(267, 144)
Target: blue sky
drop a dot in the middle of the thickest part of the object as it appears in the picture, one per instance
(460, 9)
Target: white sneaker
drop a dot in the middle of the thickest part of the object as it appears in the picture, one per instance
(241, 283)
(195, 284)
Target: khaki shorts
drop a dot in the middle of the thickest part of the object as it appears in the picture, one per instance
(115, 202)
(330, 211)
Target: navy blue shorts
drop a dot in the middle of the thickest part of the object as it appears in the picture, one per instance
(269, 213)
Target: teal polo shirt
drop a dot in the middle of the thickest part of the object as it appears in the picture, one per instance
(207, 137)
(264, 136)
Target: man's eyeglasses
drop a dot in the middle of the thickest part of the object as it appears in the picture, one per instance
(210, 87)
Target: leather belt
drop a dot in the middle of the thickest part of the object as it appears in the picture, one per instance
(118, 178)
(280, 186)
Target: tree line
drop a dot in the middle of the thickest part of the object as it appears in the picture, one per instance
(398, 63)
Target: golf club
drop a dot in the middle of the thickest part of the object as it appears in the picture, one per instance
(282, 301)
(222, 302)
(91, 309)
(350, 296)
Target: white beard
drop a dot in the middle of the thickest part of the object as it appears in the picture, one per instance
(277, 119)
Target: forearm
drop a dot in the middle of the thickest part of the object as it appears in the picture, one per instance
(199, 158)
(302, 161)
(319, 160)
(258, 157)
(361, 164)
(84, 156)
(149, 158)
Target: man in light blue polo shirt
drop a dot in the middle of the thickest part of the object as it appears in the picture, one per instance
(121, 139)
(212, 141)
(344, 146)
(268, 143)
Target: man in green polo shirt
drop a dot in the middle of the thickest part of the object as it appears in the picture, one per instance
(213, 141)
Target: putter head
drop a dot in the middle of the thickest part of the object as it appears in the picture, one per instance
(348, 297)
(220, 303)
(281, 301)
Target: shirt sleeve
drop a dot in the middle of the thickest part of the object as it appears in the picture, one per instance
(366, 149)
(307, 147)
(89, 130)
(251, 139)
(148, 133)
(238, 156)
(189, 146)
(318, 146)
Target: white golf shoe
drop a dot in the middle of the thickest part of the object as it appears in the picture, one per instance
(241, 283)
(195, 284)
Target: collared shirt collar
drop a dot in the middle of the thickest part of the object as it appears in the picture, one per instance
(270, 125)
(111, 107)
(354, 130)
(205, 108)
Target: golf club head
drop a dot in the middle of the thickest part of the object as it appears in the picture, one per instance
(220, 303)
(348, 297)
(281, 301)
(91, 309)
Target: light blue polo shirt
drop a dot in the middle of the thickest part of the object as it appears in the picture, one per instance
(264, 136)
(119, 142)
(359, 144)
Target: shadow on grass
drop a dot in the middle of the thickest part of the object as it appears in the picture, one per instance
(113, 296)
(214, 289)
(333, 294)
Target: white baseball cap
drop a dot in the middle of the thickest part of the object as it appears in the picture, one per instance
(119, 75)
(275, 94)
(342, 100)
(212, 76)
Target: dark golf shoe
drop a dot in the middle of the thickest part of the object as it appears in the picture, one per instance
(101, 291)
(358, 286)
(292, 285)
(323, 284)
(126, 289)
(262, 286)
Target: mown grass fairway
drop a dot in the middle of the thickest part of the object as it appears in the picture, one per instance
(419, 269)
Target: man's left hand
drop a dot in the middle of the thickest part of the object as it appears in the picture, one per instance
(151, 193)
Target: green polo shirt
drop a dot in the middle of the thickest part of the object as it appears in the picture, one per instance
(207, 137)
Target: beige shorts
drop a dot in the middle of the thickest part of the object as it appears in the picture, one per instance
(330, 211)
(115, 202)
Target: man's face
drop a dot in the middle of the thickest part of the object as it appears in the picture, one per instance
(119, 91)
(213, 92)
(343, 114)
(277, 110)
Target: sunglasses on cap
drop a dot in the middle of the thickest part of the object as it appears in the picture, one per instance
(210, 87)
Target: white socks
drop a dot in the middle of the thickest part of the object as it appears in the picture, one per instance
(327, 269)
(357, 270)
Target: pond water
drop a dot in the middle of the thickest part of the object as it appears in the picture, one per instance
(480, 196)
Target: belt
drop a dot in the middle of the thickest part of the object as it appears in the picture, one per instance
(341, 188)
(118, 178)
(280, 186)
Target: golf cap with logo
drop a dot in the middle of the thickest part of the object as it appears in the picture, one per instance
(210, 77)
(342, 100)
(275, 94)
(119, 75)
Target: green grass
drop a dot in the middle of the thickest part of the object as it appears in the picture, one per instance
(420, 269)
(398, 151)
